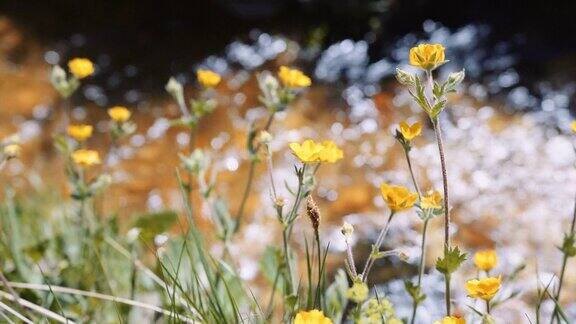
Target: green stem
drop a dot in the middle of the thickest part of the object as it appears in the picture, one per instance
(248, 187)
(447, 296)
(376, 247)
(555, 314)
(412, 173)
(287, 260)
(246, 194)
(488, 307)
(420, 268)
(319, 285)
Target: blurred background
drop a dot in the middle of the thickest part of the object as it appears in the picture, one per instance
(510, 159)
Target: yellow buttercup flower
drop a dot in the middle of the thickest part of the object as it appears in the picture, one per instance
(484, 288)
(432, 200)
(427, 56)
(308, 151)
(11, 150)
(312, 317)
(398, 198)
(573, 126)
(119, 114)
(293, 78)
(86, 158)
(330, 152)
(81, 67)
(207, 78)
(410, 131)
(451, 320)
(486, 260)
(80, 132)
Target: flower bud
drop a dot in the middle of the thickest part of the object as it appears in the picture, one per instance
(404, 256)
(196, 162)
(279, 202)
(454, 79)
(347, 230)
(264, 137)
(12, 151)
(133, 234)
(175, 89)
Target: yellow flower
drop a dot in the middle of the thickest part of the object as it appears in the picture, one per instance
(80, 132)
(432, 200)
(119, 114)
(427, 56)
(308, 151)
(312, 317)
(12, 150)
(86, 158)
(484, 288)
(330, 152)
(293, 78)
(398, 198)
(81, 67)
(207, 78)
(573, 126)
(451, 320)
(486, 260)
(410, 131)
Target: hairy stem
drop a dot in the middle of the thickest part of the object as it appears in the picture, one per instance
(438, 132)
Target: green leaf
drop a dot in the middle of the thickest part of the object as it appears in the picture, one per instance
(451, 261)
(437, 108)
(569, 244)
(335, 296)
(414, 292)
(152, 224)
(271, 263)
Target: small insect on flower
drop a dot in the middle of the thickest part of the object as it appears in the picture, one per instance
(119, 114)
(573, 126)
(398, 198)
(80, 132)
(410, 131)
(11, 151)
(432, 200)
(311, 317)
(484, 288)
(86, 158)
(293, 78)
(486, 260)
(347, 230)
(427, 56)
(81, 67)
(208, 78)
(451, 320)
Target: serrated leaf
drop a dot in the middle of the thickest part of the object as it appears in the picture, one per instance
(451, 260)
